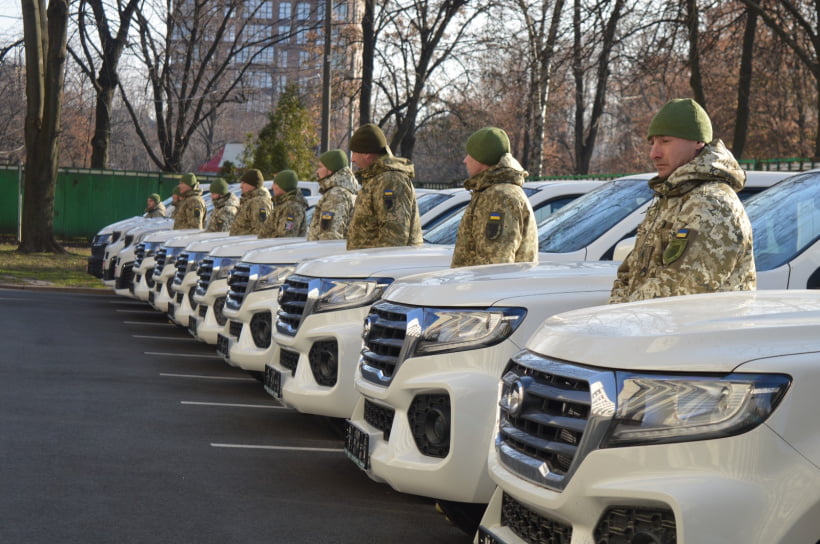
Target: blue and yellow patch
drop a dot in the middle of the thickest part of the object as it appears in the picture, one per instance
(676, 246)
(387, 198)
(493, 227)
(326, 220)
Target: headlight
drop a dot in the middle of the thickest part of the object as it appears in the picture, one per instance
(445, 330)
(194, 258)
(270, 276)
(339, 294)
(222, 267)
(150, 248)
(656, 409)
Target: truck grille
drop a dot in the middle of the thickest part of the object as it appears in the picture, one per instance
(139, 254)
(238, 285)
(289, 359)
(182, 268)
(159, 262)
(205, 271)
(126, 276)
(379, 417)
(385, 331)
(533, 527)
(293, 298)
(550, 417)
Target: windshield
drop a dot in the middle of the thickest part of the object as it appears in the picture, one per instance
(446, 231)
(587, 218)
(428, 201)
(785, 219)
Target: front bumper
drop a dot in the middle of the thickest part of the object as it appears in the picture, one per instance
(751, 488)
(141, 288)
(469, 379)
(241, 350)
(329, 334)
(161, 296)
(180, 309)
(204, 325)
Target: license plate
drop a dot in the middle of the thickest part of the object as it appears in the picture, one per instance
(151, 297)
(484, 537)
(192, 325)
(357, 446)
(222, 345)
(273, 382)
(171, 310)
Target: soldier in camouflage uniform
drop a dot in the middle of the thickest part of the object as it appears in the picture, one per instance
(288, 216)
(696, 237)
(255, 205)
(225, 207)
(385, 213)
(338, 187)
(154, 206)
(190, 210)
(498, 225)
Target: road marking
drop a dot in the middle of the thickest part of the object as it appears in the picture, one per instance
(160, 324)
(149, 337)
(233, 405)
(204, 377)
(280, 448)
(190, 355)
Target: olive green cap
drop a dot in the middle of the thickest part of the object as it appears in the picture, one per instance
(190, 180)
(334, 160)
(487, 145)
(155, 197)
(682, 118)
(368, 138)
(219, 186)
(286, 180)
(253, 177)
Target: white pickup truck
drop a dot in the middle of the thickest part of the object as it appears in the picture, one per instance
(119, 255)
(427, 385)
(686, 419)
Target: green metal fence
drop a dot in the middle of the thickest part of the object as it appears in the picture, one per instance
(86, 200)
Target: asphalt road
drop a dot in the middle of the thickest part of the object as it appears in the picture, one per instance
(116, 426)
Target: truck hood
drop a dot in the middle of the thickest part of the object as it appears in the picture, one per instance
(389, 262)
(294, 253)
(482, 286)
(231, 248)
(697, 333)
(200, 236)
(169, 234)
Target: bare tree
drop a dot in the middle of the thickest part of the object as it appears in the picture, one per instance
(100, 51)
(44, 33)
(12, 107)
(195, 61)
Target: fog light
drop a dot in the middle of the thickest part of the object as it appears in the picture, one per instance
(324, 362)
(429, 417)
(219, 305)
(633, 525)
(261, 329)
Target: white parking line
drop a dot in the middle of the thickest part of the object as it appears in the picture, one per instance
(281, 448)
(233, 405)
(149, 337)
(204, 377)
(143, 323)
(190, 355)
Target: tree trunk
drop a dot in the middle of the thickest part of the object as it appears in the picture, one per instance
(368, 53)
(45, 39)
(744, 84)
(695, 76)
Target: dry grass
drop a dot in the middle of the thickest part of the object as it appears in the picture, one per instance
(47, 269)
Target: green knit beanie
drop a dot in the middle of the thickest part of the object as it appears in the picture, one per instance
(286, 180)
(334, 160)
(368, 138)
(190, 180)
(155, 198)
(682, 118)
(487, 145)
(253, 177)
(219, 187)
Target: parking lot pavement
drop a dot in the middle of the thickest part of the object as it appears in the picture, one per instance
(117, 426)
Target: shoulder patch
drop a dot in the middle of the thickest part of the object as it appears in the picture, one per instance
(493, 228)
(389, 201)
(326, 220)
(676, 246)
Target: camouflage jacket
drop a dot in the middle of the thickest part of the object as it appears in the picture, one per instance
(190, 210)
(696, 237)
(498, 225)
(222, 215)
(156, 211)
(386, 213)
(254, 208)
(331, 216)
(288, 217)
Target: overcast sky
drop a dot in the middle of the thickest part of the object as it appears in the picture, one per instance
(11, 18)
